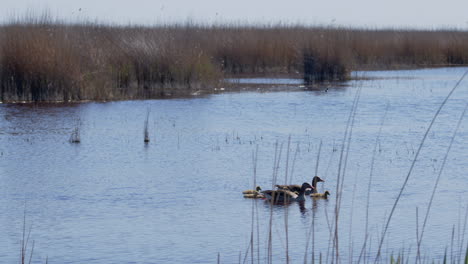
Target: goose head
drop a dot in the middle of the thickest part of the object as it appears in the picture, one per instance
(306, 187)
(317, 179)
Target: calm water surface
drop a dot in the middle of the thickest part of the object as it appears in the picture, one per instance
(113, 199)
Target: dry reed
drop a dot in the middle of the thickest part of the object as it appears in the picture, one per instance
(42, 59)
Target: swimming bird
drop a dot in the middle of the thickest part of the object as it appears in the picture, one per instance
(320, 195)
(297, 187)
(254, 196)
(286, 196)
(315, 180)
(256, 191)
(290, 187)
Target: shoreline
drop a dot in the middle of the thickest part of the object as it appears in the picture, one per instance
(235, 87)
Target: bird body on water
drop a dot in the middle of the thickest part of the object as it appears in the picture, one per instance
(285, 196)
(320, 195)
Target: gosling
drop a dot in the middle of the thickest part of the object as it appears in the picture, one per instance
(254, 196)
(256, 191)
(321, 195)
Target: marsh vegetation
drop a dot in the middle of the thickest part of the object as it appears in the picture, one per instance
(42, 59)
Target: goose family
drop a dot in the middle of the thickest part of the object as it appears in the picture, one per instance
(285, 196)
(286, 193)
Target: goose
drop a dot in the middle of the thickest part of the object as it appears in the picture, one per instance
(285, 196)
(320, 195)
(315, 180)
(256, 191)
(297, 187)
(290, 187)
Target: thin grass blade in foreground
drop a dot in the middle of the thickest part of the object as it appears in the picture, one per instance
(463, 233)
(466, 256)
(413, 163)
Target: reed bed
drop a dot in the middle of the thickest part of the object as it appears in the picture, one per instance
(42, 59)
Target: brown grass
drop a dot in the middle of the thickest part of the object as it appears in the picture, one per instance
(47, 60)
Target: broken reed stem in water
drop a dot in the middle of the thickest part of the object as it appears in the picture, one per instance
(452, 139)
(414, 162)
(75, 136)
(146, 129)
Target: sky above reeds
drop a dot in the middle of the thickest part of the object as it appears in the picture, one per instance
(360, 13)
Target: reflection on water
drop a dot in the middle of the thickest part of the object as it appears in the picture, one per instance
(114, 199)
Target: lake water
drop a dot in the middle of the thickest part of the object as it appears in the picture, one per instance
(113, 199)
